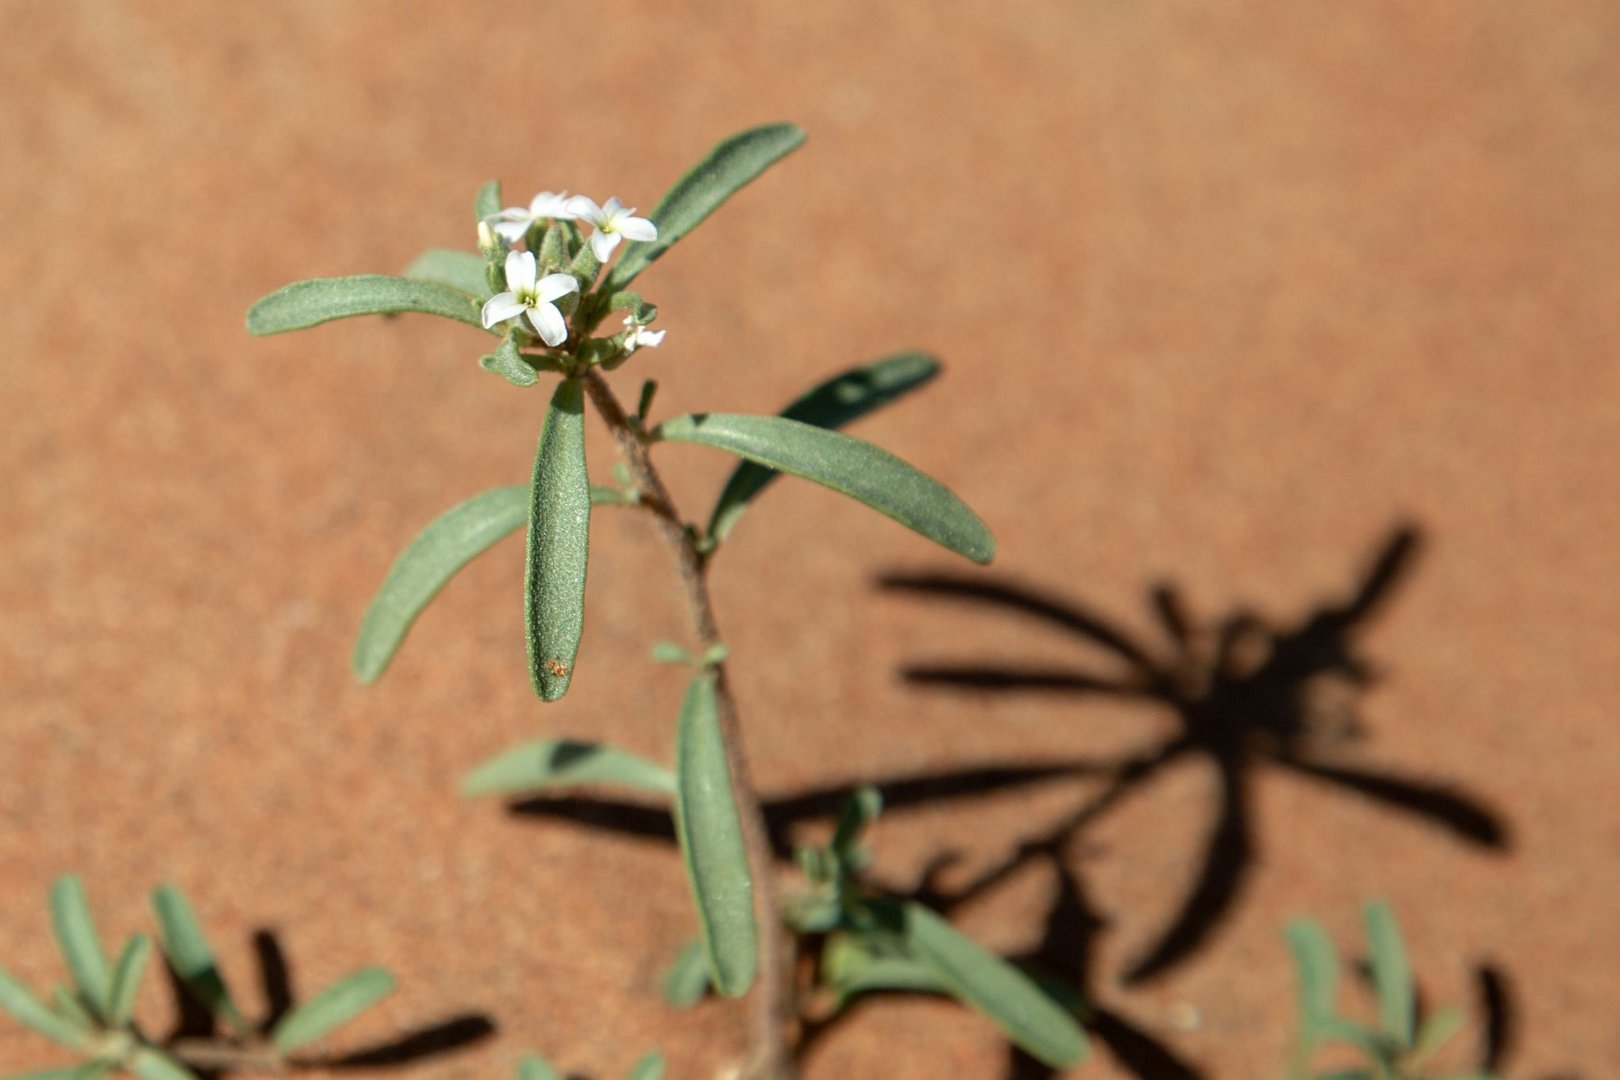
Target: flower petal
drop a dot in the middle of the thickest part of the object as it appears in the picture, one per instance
(550, 204)
(650, 338)
(583, 206)
(548, 322)
(637, 228)
(603, 243)
(500, 307)
(520, 271)
(553, 286)
(612, 208)
(512, 231)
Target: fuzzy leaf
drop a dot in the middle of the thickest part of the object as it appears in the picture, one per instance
(31, 1013)
(331, 1009)
(976, 976)
(80, 944)
(126, 980)
(727, 168)
(461, 270)
(432, 558)
(559, 536)
(488, 200)
(1391, 973)
(552, 763)
(850, 466)
(844, 398)
(310, 303)
(508, 363)
(191, 957)
(711, 841)
(687, 980)
(854, 964)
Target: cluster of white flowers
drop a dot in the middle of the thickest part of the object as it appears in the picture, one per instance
(535, 299)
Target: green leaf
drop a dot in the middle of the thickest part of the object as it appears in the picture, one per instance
(847, 465)
(149, 1064)
(552, 763)
(191, 957)
(832, 404)
(66, 1004)
(67, 1072)
(1338, 1029)
(28, 1011)
(667, 652)
(331, 1009)
(1435, 1032)
(534, 1067)
(861, 810)
(711, 841)
(606, 495)
(979, 978)
(1316, 968)
(126, 980)
(94, 1070)
(853, 964)
(559, 535)
(80, 944)
(487, 201)
(451, 541)
(727, 168)
(310, 303)
(650, 1067)
(461, 270)
(687, 980)
(508, 363)
(1391, 973)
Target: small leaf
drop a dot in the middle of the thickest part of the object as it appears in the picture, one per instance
(1338, 1029)
(1392, 975)
(331, 1009)
(28, 1011)
(191, 957)
(667, 652)
(310, 303)
(854, 964)
(559, 537)
(650, 1067)
(80, 944)
(431, 559)
(604, 495)
(534, 1067)
(844, 398)
(150, 1064)
(66, 1004)
(711, 842)
(687, 980)
(851, 466)
(508, 363)
(727, 168)
(488, 200)
(552, 763)
(1316, 968)
(126, 980)
(461, 270)
(1000, 991)
(1435, 1032)
(861, 810)
(715, 654)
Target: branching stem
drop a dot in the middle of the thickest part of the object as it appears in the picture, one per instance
(769, 1056)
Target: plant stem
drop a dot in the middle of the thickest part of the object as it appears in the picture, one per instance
(218, 1054)
(769, 1056)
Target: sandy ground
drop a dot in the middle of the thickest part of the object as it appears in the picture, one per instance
(1227, 297)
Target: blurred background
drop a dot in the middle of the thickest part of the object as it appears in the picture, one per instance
(1279, 346)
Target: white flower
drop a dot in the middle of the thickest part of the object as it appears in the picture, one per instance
(513, 222)
(612, 222)
(532, 298)
(639, 336)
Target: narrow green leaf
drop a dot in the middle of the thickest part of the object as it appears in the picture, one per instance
(66, 1004)
(1392, 974)
(508, 363)
(667, 652)
(851, 466)
(451, 541)
(552, 763)
(650, 1067)
(979, 978)
(310, 303)
(189, 954)
(461, 270)
(1435, 1032)
(727, 168)
(331, 1009)
(711, 841)
(80, 944)
(606, 495)
(149, 1064)
(559, 536)
(31, 1013)
(861, 810)
(534, 1067)
(487, 201)
(854, 964)
(687, 980)
(844, 398)
(126, 980)
(1316, 968)
(1338, 1029)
